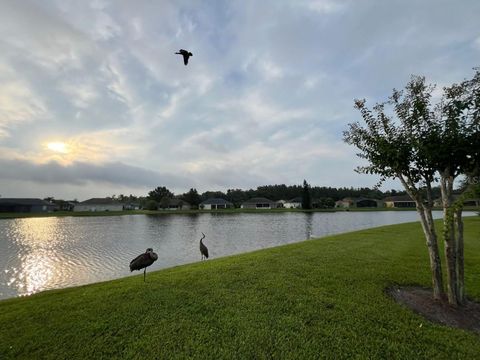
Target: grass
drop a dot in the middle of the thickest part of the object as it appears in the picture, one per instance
(322, 298)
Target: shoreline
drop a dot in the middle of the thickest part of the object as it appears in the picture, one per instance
(192, 212)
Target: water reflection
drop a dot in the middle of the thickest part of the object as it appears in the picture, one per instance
(45, 253)
(308, 226)
(36, 267)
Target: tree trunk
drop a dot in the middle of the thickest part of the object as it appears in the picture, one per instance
(460, 258)
(446, 185)
(428, 226)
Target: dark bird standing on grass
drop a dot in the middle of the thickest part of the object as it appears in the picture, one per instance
(203, 248)
(186, 54)
(143, 261)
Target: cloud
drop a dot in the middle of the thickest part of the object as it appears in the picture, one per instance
(324, 6)
(476, 43)
(18, 104)
(264, 99)
(81, 173)
(82, 93)
(37, 34)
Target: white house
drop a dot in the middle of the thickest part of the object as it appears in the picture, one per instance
(399, 201)
(98, 204)
(295, 203)
(259, 203)
(215, 204)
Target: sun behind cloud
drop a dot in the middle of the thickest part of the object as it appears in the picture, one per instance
(94, 148)
(59, 147)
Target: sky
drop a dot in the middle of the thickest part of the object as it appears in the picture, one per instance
(94, 101)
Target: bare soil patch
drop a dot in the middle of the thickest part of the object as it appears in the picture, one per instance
(421, 301)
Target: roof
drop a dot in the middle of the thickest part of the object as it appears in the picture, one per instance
(216, 201)
(24, 201)
(297, 199)
(177, 202)
(100, 201)
(356, 199)
(361, 198)
(258, 200)
(456, 196)
(399, 198)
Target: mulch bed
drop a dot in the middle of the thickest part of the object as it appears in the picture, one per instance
(421, 301)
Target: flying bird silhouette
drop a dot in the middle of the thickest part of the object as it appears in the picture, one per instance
(144, 260)
(186, 54)
(203, 248)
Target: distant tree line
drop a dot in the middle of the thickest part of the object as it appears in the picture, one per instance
(317, 196)
(310, 196)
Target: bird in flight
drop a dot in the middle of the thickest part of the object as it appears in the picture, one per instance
(186, 54)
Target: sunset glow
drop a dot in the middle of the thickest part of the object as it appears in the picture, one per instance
(59, 147)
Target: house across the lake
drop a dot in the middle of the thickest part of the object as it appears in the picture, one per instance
(360, 202)
(400, 201)
(25, 205)
(174, 204)
(64, 205)
(295, 203)
(259, 203)
(215, 204)
(467, 202)
(131, 206)
(472, 202)
(99, 204)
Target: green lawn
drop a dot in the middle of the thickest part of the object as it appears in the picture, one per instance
(322, 298)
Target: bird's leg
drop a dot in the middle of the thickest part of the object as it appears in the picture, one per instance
(144, 273)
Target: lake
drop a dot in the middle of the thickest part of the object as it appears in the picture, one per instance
(55, 252)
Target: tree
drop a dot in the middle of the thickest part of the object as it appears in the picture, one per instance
(236, 196)
(459, 115)
(150, 205)
(212, 194)
(159, 193)
(420, 144)
(164, 202)
(306, 199)
(192, 198)
(325, 203)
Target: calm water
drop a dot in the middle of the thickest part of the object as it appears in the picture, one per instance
(46, 253)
